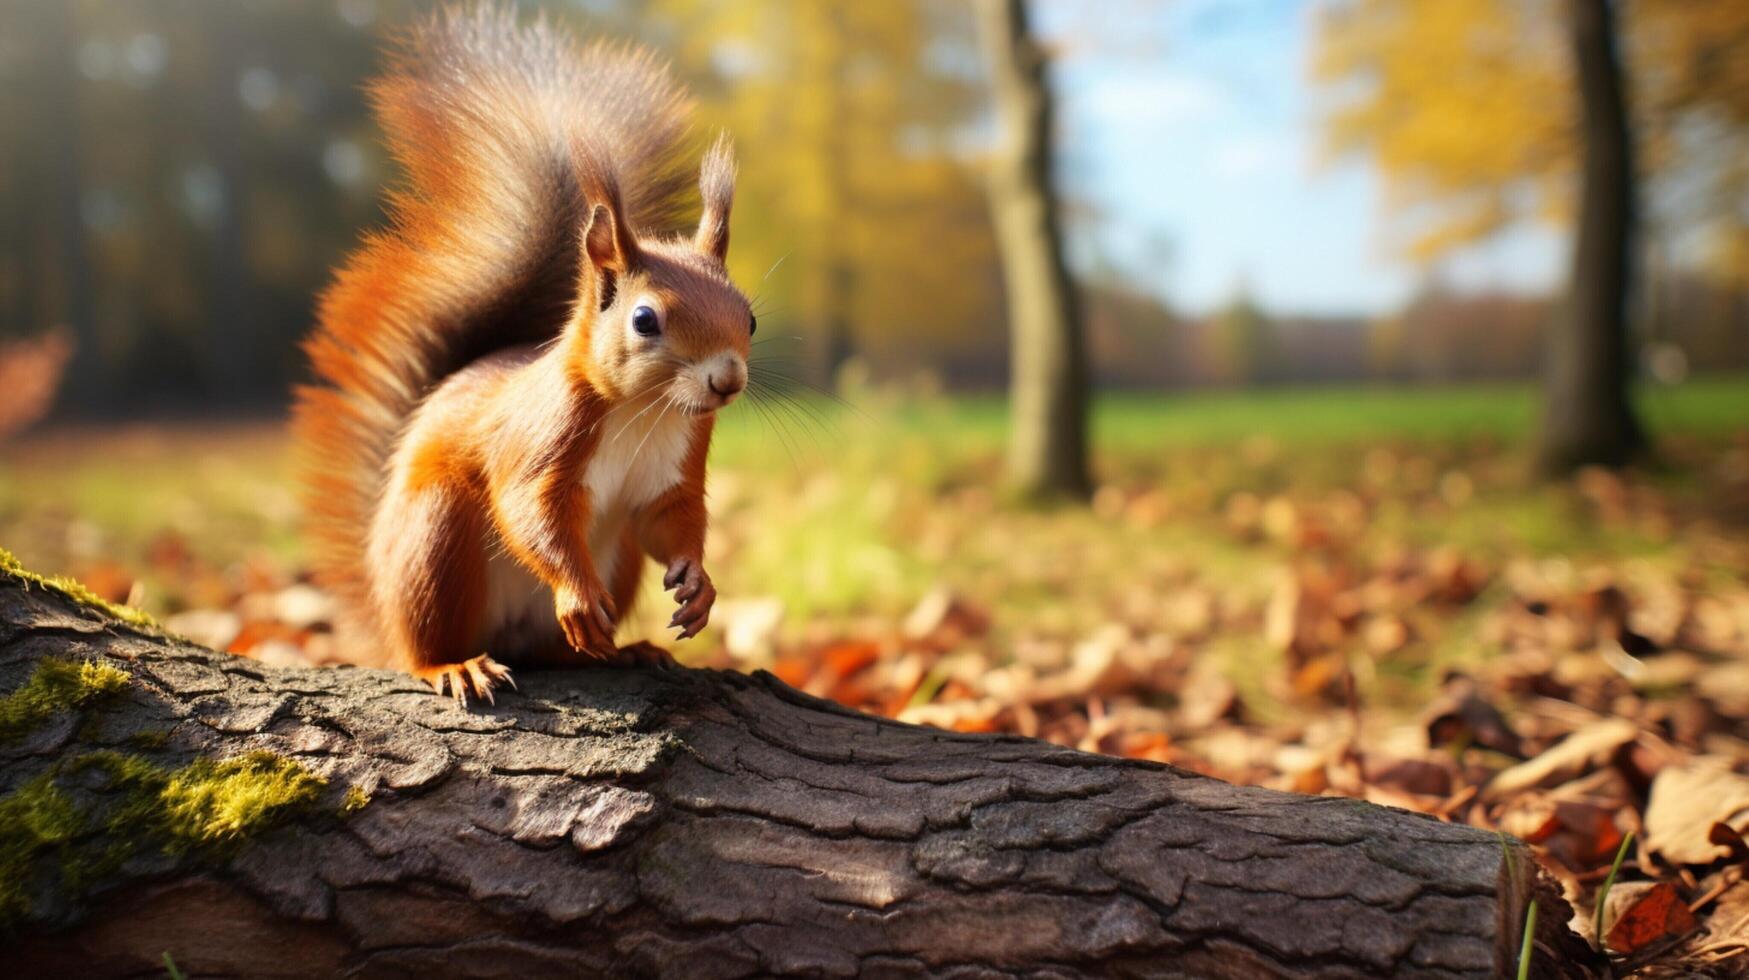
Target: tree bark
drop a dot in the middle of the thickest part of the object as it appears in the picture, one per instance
(1587, 416)
(1047, 453)
(668, 822)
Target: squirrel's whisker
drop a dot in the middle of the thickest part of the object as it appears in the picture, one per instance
(668, 401)
(802, 409)
(774, 265)
(641, 412)
(769, 418)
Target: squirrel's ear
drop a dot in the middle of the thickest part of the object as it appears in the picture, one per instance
(607, 241)
(716, 182)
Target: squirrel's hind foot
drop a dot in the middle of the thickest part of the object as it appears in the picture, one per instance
(477, 676)
(641, 653)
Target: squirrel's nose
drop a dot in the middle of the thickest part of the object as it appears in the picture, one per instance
(733, 385)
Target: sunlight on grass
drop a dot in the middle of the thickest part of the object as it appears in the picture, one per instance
(851, 514)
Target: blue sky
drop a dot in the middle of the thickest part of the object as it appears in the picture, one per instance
(1191, 130)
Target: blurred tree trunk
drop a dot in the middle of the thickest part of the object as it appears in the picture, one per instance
(73, 291)
(229, 312)
(1048, 386)
(827, 34)
(1587, 417)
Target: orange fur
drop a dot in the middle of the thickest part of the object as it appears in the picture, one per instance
(467, 445)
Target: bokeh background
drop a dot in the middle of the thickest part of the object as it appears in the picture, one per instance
(1318, 253)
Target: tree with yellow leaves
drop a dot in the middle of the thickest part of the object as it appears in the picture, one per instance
(846, 116)
(1485, 113)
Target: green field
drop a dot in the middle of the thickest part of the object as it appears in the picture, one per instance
(78, 493)
(1127, 422)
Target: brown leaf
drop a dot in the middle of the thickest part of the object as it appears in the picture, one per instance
(1462, 715)
(1153, 746)
(255, 634)
(1531, 818)
(1731, 839)
(108, 579)
(750, 626)
(1659, 913)
(30, 373)
(794, 671)
(1098, 665)
(212, 628)
(1586, 835)
(1208, 697)
(969, 715)
(944, 620)
(1385, 635)
(1591, 747)
(1687, 800)
(1418, 776)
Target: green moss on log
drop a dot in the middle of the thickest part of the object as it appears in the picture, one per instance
(57, 686)
(213, 802)
(68, 828)
(356, 800)
(72, 589)
(35, 819)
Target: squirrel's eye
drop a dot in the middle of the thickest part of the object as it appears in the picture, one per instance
(752, 325)
(645, 322)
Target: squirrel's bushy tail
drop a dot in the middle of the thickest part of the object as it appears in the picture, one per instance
(490, 121)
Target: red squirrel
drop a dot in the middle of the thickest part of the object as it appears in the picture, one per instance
(517, 379)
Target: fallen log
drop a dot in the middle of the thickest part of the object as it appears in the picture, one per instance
(160, 798)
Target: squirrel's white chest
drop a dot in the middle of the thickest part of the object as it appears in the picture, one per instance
(637, 457)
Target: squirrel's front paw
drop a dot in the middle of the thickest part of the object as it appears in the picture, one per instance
(693, 590)
(587, 620)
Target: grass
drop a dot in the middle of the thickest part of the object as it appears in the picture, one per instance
(1126, 422)
(847, 513)
(1608, 883)
(74, 494)
(1528, 948)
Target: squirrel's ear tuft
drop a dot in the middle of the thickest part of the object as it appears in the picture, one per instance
(716, 183)
(607, 239)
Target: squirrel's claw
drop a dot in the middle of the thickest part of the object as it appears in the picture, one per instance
(477, 676)
(481, 683)
(695, 593)
(587, 622)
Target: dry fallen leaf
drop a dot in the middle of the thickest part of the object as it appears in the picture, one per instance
(749, 626)
(1586, 749)
(1461, 715)
(944, 620)
(211, 628)
(1207, 697)
(1656, 914)
(1416, 776)
(1686, 801)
